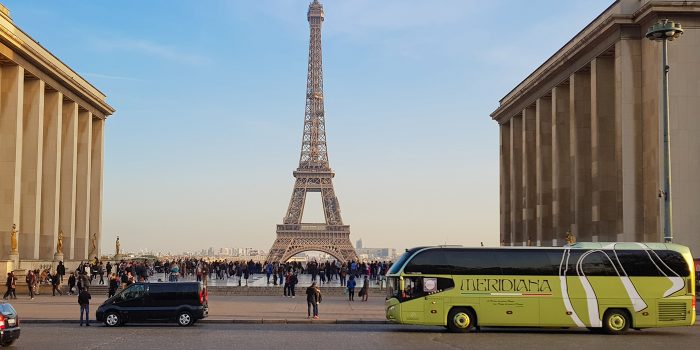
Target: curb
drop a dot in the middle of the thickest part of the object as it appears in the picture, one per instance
(234, 321)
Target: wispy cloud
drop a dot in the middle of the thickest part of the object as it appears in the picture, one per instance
(111, 77)
(149, 48)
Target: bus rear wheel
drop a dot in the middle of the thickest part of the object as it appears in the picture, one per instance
(616, 321)
(461, 320)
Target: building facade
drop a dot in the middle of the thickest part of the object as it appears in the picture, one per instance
(51, 155)
(581, 137)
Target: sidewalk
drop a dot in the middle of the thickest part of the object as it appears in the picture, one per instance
(222, 309)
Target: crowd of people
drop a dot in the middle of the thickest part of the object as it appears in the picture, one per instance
(126, 272)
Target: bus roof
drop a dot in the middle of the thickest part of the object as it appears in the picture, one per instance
(579, 245)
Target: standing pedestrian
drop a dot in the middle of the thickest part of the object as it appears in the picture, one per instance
(71, 284)
(84, 302)
(313, 298)
(113, 285)
(31, 283)
(61, 270)
(286, 288)
(292, 285)
(365, 288)
(268, 272)
(351, 288)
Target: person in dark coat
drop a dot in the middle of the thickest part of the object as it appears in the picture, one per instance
(84, 302)
(113, 285)
(55, 282)
(71, 284)
(61, 271)
(313, 298)
(10, 284)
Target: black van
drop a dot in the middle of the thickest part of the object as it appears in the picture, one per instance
(183, 302)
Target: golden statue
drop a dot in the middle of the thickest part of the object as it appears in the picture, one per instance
(94, 244)
(13, 239)
(570, 239)
(117, 246)
(59, 244)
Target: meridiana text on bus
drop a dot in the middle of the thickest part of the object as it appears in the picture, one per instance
(506, 285)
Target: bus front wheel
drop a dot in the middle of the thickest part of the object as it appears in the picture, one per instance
(461, 320)
(616, 321)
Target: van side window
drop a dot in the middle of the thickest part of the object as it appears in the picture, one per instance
(134, 292)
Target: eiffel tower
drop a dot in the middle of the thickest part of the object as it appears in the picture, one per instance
(314, 173)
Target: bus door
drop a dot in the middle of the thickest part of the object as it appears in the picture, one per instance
(412, 301)
(433, 306)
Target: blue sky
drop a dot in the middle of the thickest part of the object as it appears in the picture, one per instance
(210, 106)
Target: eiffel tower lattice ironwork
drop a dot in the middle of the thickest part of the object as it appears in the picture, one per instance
(314, 173)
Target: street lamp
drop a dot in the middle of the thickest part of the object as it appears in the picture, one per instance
(665, 31)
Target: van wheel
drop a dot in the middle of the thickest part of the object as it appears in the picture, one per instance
(184, 319)
(461, 320)
(112, 319)
(616, 321)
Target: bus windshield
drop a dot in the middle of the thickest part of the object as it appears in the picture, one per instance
(396, 267)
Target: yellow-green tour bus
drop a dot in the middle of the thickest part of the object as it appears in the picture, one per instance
(601, 286)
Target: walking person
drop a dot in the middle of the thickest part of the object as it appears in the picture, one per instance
(31, 283)
(55, 283)
(101, 273)
(365, 289)
(351, 288)
(313, 298)
(84, 302)
(11, 284)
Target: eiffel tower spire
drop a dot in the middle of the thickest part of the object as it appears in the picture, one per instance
(314, 173)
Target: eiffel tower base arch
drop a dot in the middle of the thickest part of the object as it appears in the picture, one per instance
(297, 238)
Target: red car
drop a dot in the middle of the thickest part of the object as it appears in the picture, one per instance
(9, 324)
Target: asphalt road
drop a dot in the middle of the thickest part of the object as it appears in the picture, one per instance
(340, 337)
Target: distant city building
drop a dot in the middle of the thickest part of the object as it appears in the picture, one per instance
(376, 253)
(580, 137)
(358, 244)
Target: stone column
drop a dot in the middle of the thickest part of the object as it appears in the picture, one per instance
(529, 176)
(516, 178)
(603, 141)
(82, 192)
(32, 148)
(580, 110)
(69, 148)
(543, 165)
(11, 96)
(628, 122)
(505, 184)
(97, 163)
(561, 166)
(51, 169)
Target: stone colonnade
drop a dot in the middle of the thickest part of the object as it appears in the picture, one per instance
(561, 157)
(51, 160)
